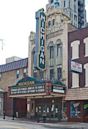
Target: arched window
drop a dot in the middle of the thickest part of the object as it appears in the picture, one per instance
(86, 74)
(51, 50)
(58, 52)
(75, 49)
(86, 46)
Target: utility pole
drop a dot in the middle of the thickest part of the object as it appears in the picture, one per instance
(1, 40)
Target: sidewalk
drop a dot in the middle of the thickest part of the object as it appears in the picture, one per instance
(71, 125)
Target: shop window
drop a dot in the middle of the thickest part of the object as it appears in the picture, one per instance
(86, 74)
(85, 108)
(51, 74)
(59, 73)
(17, 74)
(75, 80)
(75, 49)
(51, 52)
(75, 109)
(86, 46)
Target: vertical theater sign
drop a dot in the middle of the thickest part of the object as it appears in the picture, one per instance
(39, 60)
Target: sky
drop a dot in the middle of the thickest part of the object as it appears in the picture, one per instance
(17, 20)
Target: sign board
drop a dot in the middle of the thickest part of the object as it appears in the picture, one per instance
(16, 90)
(39, 61)
(76, 67)
(58, 89)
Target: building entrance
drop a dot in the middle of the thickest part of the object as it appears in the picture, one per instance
(49, 108)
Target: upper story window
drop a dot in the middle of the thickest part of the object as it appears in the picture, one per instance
(75, 49)
(64, 3)
(75, 8)
(69, 3)
(59, 50)
(17, 73)
(51, 52)
(49, 23)
(86, 46)
(41, 74)
(59, 73)
(75, 80)
(51, 74)
(75, 17)
(51, 1)
(53, 22)
(25, 71)
(86, 74)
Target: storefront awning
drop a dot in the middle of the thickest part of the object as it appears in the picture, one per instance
(77, 94)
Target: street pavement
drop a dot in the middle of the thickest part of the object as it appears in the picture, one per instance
(8, 123)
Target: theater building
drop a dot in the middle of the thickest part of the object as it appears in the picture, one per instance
(42, 91)
(77, 93)
(47, 81)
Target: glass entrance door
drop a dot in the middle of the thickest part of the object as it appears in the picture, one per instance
(51, 109)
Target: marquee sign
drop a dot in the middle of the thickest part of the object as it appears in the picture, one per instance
(19, 90)
(39, 60)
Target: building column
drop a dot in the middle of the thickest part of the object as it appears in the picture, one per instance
(28, 107)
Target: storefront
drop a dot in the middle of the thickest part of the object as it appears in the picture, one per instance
(44, 99)
(77, 104)
(78, 111)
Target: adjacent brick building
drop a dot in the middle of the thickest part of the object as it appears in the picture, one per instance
(10, 74)
(77, 93)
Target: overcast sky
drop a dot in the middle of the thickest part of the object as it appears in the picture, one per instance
(17, 19)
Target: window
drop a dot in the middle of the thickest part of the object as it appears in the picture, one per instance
(25, 72)
(75, 80)
(75, 17)
(35, 74)
(86, 46)
(75, 8)
(59, 73)
(17, 73)
(53, 22)
(75, 49)
(64, 3)
(51, 52)
(86, 74)
(59, 50)
(49, 23)
(51, 74)
(51, 1)
(41, 75)
(69, 3)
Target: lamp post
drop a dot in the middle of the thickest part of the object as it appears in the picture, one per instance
(13, 108)
(4, 105)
